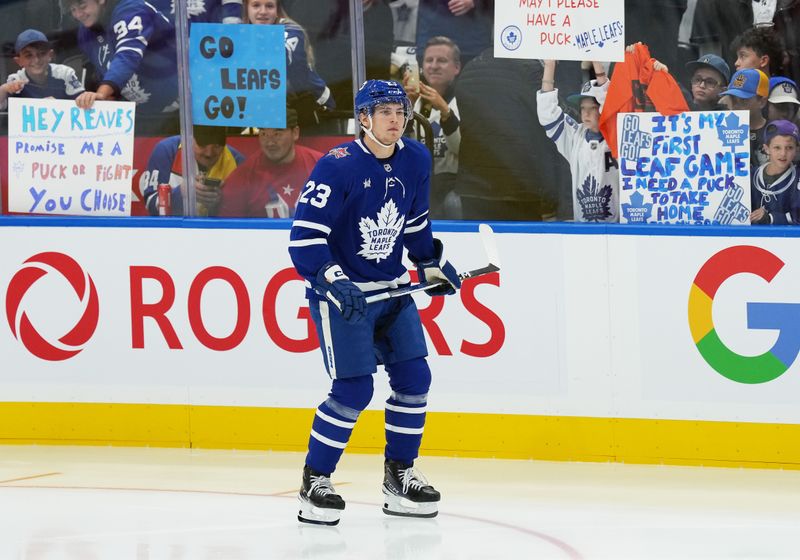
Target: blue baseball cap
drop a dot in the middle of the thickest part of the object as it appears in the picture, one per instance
(29, 37)
(747, 83)
(714, 62)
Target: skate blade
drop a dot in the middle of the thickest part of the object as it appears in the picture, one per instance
(402, 507)
(318, 516)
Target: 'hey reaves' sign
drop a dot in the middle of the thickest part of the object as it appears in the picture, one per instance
(560, 29)
(67, 160)
(691, 168)
(238, 75)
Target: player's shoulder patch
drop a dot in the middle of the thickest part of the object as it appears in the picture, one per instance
(340, 152)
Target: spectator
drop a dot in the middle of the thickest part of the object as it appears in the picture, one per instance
(214, 162)
(508, 168)
(269, 183)
(760, 48)
(774, 192)
(655, 23)
(404, 14)
(748, 91)
(328, 25)
(131, 44)
(436, 101)
(215, 11)
(38, 77)
(595, 172)
(303, 82)
(709, 76)
(467, 22)
(718, 22)
(782, 103)
(641, 84)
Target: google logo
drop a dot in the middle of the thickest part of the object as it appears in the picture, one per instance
(783, 317)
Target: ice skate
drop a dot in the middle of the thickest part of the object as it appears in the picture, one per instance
(407, 493)
(319, 502)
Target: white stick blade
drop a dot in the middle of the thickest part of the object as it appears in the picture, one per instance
(489, 244)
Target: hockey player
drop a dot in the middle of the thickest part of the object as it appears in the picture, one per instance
(595, 177)
(131, 43)
(364, 202)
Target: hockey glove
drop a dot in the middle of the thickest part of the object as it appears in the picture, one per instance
(337, 288)
(437, 268)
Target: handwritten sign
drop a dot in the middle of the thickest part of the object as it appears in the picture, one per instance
(560, 29)
(67, 160)
(238, 75)
(691, 168)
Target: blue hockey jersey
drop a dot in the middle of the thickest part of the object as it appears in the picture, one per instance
(214, 11)
(62, 83)
(300, 76)
(360, 212)
(133, 49)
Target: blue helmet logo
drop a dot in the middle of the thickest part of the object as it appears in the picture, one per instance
(377, 92)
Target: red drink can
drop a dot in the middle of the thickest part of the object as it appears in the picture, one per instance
(164, 201)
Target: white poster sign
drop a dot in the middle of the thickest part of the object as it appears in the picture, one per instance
(66, 160)
(560, 29)
(691, 168)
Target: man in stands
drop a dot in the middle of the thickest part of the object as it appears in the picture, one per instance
(269, 183)
(214, 162)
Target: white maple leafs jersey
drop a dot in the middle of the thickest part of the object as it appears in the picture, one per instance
(360, 212)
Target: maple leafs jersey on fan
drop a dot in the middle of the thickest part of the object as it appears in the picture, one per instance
(360, 212)
(133, 49)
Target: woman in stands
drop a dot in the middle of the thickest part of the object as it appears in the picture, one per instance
(309, 91)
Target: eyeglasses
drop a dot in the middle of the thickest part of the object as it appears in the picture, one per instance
(706, 82)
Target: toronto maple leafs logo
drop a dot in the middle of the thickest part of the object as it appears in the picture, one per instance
(594, 200)
(637, 211)
(133, 91)
(379, 236)
(339, 153)
(731, 134)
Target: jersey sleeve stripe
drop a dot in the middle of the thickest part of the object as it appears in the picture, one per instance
(557, 134)
(322, 99)
(415, 229)
(140, 52)
(414, 219)
(312, 225)
(307, 242)
(555, 122)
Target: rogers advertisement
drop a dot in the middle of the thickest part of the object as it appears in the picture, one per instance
(217, 316)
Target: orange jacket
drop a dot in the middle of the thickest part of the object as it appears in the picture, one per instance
(637, 88)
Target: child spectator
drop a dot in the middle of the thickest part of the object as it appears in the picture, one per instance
(760, 48)
(709, 76)
(131, 44)
(38, 77)
(309, 91)
(214, 162)
(782, 103)
(595, 173)
(774, 185)
(748, 91)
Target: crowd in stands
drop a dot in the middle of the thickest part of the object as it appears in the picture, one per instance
(511, 139)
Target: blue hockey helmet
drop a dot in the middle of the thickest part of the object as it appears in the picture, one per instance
(376, 92)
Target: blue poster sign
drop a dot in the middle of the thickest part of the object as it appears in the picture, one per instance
(238, 75)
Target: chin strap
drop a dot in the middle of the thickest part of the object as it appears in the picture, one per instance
(368, 132)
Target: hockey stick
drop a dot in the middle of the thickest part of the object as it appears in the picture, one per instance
(489, 247)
